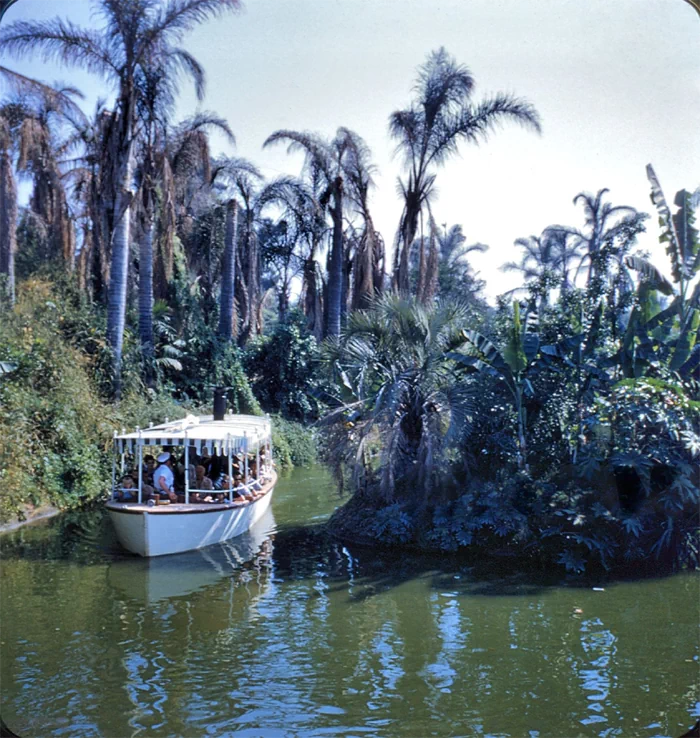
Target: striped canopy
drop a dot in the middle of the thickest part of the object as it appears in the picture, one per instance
(234, 434)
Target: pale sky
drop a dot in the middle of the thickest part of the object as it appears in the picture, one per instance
(617, 85)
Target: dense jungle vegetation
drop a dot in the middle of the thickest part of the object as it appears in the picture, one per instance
(561, 425)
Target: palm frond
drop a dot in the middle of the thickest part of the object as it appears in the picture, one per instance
(61, 42)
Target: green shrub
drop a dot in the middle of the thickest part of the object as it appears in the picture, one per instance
(284, 370)
(293, 442)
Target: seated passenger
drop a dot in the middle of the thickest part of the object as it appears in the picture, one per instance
(126, 492)
(149, 466)
(240, 490)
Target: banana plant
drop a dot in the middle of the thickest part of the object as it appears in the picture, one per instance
(577, 354)
(675, 328)
(511, 365)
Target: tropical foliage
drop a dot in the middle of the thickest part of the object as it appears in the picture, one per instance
(140, 270)
(579, 430)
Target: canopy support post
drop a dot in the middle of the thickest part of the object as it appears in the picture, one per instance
(187, 471)
(114, 463)
(230, 470)
(140, 467)
(245, 459)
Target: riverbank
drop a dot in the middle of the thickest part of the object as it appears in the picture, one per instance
(525, 522)
(30, 514)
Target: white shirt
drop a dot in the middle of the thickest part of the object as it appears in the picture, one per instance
(166, 473)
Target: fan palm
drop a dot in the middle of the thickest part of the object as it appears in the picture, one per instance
(429, 132)
(397, 384)
(137, 35)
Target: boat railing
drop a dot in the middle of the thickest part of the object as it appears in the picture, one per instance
(230, 491)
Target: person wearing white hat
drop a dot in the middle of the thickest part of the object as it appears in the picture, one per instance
(163, 477)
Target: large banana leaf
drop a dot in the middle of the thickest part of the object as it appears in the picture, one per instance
(683, 221)
(668, 228)
(678, 231)
(487, 352)
(686, 341)
(651, 274)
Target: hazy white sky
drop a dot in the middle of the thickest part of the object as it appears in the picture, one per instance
(617, 85)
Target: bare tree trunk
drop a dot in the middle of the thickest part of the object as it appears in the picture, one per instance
(228, 276)
(146, 298)
(335, 272)
(116, 306)
(8, 222)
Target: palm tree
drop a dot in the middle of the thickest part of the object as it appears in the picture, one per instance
(41, 158)
(91, 173)
(368, 261)
(323, 161)
(244, 179)
(429, 132)
(338, 168)
(603, 222)
(537, 265)
(304, 217)
(397, 384)
(567, 250)
(138, 35)
(455, 276)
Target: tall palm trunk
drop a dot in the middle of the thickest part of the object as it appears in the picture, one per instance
(422, 271)
(402, 282)
(8, 222)
(364, 271)
(312, 300)
(335, 272)
(228, 276)
(116, 306)
(252, 279)
(146, 296)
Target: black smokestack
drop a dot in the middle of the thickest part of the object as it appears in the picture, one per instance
(219, 403)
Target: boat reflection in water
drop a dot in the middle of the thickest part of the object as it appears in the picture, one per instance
(159, 578)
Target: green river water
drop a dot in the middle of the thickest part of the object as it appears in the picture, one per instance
(286, 633)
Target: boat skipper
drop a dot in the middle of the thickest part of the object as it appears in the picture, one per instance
(164, 478)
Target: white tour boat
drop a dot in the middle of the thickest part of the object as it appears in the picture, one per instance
(199, 517)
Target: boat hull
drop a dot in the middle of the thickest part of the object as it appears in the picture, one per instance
(161, 530)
